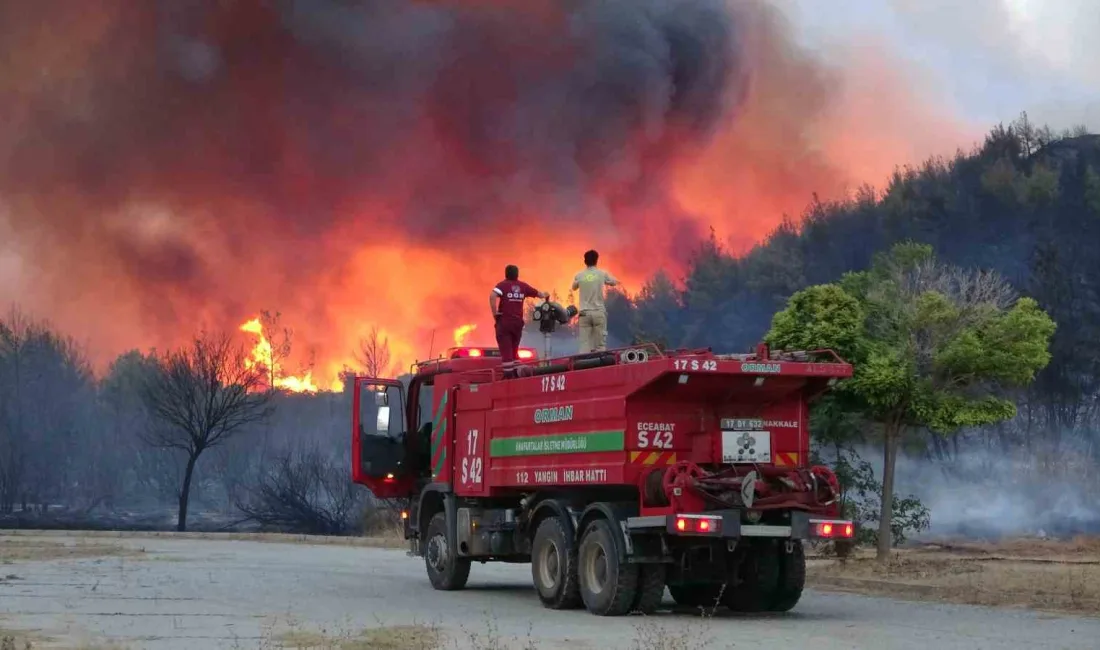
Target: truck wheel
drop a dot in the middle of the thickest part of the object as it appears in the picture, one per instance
(607, 587)
(702, 594)
(446, 570)
(759, 574)
(792, 578)
(554, 565)
(651, 588)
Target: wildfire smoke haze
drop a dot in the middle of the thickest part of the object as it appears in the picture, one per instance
(168, 165)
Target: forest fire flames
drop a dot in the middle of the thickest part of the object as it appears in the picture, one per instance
(263, 357)
(462, 332)
(359, 185)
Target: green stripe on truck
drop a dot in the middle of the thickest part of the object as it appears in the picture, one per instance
(564, 443)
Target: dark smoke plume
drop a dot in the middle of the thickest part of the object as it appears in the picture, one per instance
(444, 117)
(170, 162)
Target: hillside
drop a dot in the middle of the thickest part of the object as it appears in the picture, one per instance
(1024, 203)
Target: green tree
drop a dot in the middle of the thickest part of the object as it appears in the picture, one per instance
(1092, 190)
(656, 308)
(934, 347)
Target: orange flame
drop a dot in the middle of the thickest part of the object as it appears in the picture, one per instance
(263, 356)
(462, 332)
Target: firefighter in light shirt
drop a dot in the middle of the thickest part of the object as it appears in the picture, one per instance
(590, 284)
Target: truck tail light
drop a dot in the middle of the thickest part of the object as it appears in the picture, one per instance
(474, 353)
(697, 524)
(466, 353)
(833, 529)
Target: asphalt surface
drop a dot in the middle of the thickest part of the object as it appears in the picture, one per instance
(188, 593)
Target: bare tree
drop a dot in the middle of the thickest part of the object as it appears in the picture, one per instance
(374, 353)
(308, 492)
(279, 338)
(201, 396)
(274, 346)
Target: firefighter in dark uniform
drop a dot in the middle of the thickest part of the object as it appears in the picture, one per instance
(506, 303)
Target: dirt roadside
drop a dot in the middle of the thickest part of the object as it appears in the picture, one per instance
(392, 540)
(1051, 576)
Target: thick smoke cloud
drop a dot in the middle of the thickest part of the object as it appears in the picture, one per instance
(248, 123)
(447, 116)
(166, 165)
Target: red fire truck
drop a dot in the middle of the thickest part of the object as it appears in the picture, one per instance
(615, 474)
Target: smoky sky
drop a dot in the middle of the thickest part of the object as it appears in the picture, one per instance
(443, 116)
(170, 163)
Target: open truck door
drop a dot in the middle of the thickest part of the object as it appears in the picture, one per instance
(381, 441)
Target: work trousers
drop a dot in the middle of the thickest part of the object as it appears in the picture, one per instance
(509, 331)
(593, 330)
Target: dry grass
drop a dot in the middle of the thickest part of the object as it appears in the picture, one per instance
(26, 640)
(17, 639)
(390, 539)
(1036, 574)
(288, 632)
(395, 637)
(1045, 549)
(651, 633)
(20, 550)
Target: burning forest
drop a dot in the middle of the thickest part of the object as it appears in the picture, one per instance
(165, 166)
(170, 170)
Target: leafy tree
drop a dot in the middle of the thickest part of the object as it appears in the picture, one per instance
(822, 316)
(621, 319)
(861, 494)
(46, 402)
(658, 304)
(934, 346)
(1092, 190)
(124, 417)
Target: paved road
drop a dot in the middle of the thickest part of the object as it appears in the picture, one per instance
(185, 593)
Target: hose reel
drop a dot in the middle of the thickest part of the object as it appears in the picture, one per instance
(634, 356)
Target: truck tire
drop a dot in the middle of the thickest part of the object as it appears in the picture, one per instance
(446, 570)
(554, 565)
(608, 587)
(651, 588)
(792, 578)
(702, 594)
(759, 581)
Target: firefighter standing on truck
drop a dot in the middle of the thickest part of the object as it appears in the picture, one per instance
(593, 313)
(506, 302)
